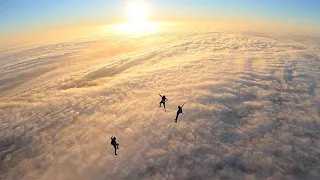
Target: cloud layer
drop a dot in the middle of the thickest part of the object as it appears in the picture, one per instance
(252, 109)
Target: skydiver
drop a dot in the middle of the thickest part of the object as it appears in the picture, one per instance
(163, 101)
(179, 112)
(114, 144)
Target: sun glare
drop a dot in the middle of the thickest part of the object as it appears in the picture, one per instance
(137, 12)
(133, 29)
(138, 24)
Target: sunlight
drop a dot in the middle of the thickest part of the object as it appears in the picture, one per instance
(137, 12)
(138, 24)
(134, 29)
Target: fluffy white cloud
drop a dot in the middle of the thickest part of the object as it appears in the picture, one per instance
(252, 109)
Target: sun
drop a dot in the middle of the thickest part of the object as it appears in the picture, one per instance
(138, 24)
(137, 12)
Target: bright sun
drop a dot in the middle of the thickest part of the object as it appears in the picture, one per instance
(137, 12)
(138, 25)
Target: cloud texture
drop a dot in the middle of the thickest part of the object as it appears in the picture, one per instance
(252, 108)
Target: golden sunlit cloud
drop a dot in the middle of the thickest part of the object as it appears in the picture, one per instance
(133, 29)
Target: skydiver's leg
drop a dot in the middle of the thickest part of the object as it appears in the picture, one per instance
(177, 116)
(160, 104)
(115, 150)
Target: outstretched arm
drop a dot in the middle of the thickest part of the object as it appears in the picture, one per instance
(160, 95)
(183, 105)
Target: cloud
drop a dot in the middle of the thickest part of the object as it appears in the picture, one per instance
(251, 109)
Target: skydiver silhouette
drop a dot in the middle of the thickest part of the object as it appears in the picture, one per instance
(114, 144)
(179, 112)
(163, 101)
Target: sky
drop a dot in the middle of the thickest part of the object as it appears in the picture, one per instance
(20, 16)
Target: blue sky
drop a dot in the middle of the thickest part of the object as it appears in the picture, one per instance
(23, 15)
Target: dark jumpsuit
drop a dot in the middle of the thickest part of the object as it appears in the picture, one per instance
(163, 101)
(178, 112)
(114, 144)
